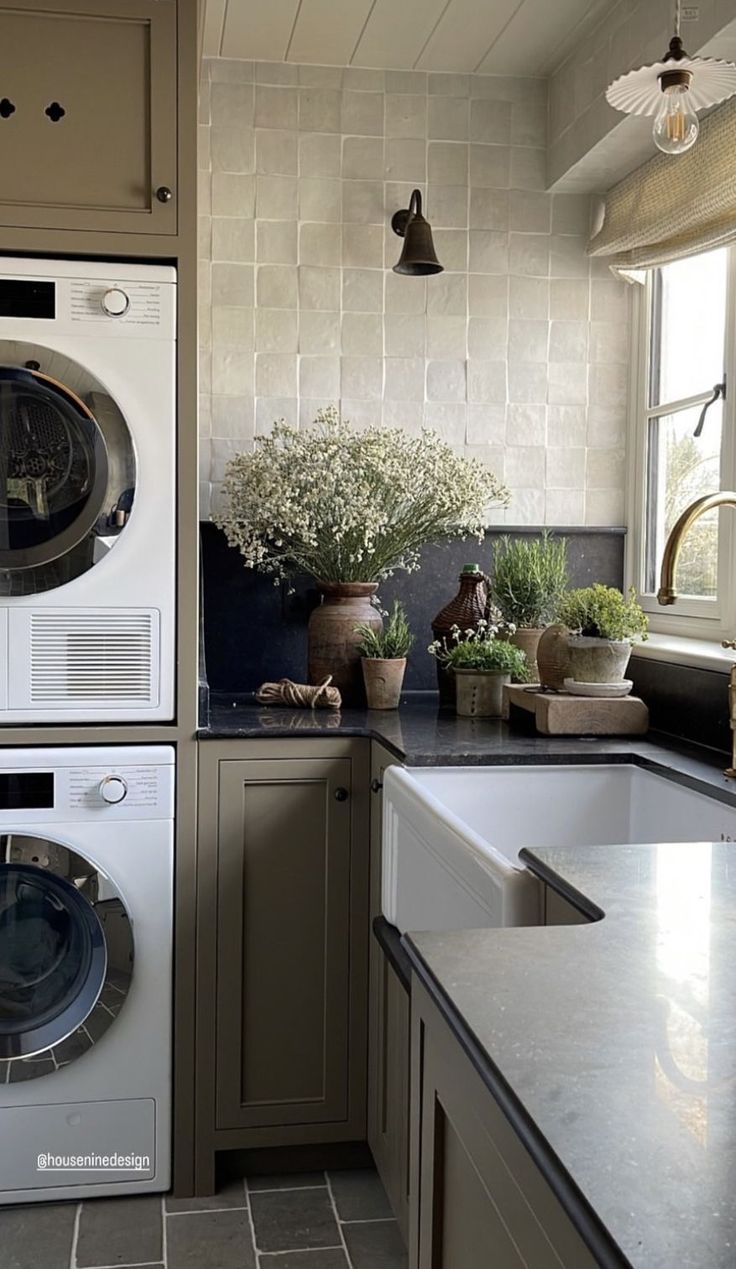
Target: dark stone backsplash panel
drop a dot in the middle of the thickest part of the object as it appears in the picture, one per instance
(254, 631)
(684, 702)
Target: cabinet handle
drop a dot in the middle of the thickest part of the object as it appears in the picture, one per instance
(341, 795)
(164, 194)
(376, 785)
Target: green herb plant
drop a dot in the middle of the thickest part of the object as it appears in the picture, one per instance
(391, 643)
(529, 579)
(603, 612)
(481, 651)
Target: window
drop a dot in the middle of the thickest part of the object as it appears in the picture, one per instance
(682, 440)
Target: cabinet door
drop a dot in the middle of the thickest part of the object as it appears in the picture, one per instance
(388, 1065)
(479, 1198)
(88, 114)
(284, 942)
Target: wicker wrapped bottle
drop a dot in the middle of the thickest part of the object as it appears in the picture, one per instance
(465, 610)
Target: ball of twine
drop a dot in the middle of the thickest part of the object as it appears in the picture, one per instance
(300, 695)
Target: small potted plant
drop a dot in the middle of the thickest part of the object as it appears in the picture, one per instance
(529, 579)
(383, 656)
(603, 623)
(482, 665)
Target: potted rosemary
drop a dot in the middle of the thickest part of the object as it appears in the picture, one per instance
(383, 656)
(602, 623)
(529, 578)
(482, 665)
(349, 507)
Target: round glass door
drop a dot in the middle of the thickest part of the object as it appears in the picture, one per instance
(67, 470)
(66, 952)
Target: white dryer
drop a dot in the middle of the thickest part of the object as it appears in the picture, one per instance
(86, 916)
(87, 491)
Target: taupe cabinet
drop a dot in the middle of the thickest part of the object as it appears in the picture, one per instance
(388, 1064)
(478, 1197)
(289, 870)
(88, 115)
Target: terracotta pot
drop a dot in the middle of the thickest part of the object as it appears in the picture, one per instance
(527, 638)
(465, 611)
(598, 660)
(553, 657)
(480, 693)
(333, 643)
(383, 679)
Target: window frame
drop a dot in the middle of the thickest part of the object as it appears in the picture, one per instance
(703, 619)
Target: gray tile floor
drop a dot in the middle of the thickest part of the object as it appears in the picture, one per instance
(311, 1220)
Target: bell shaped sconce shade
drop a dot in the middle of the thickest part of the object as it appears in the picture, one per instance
(418, 256)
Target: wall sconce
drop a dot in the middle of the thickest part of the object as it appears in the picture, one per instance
(418, 256)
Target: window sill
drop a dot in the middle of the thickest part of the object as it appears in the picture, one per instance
(704, 654)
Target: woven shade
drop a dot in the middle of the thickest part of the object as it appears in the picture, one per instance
(673, 207)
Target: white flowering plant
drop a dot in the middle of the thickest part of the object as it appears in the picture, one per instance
(350, 506)
(485, 649)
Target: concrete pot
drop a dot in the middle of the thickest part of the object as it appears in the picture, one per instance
(527, 638)
(479, 693)
(598, 660)
(333, 643)
(383, 680)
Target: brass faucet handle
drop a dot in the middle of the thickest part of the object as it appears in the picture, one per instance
(728, 643)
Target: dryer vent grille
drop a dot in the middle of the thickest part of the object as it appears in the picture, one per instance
(103, 659)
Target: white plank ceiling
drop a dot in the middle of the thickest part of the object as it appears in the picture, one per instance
(492, 37)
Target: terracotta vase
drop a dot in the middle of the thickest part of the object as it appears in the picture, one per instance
(465, 611)
(480, 693)
(333, 643)
(527, 638)
(383, 679)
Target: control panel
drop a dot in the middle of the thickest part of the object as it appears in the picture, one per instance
(107, 787)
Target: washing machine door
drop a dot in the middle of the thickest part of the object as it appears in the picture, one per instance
(66, 954)
(67, 476)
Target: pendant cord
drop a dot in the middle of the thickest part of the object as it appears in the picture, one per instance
(678, 7)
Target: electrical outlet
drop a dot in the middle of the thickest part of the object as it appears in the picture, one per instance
(690, 13)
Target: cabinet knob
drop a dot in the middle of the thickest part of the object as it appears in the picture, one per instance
(164, 194)
(376, 785)
(341, 795)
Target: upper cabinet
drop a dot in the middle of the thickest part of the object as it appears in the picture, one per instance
(88, 114)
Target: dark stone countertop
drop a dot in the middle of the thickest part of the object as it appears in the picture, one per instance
(421, 735)
(616, 1041)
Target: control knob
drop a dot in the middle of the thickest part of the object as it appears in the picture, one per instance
(115, 303)
(113, 789)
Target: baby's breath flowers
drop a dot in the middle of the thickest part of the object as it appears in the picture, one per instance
(347, 505)
(482, 650)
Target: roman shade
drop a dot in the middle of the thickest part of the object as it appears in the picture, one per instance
(673, 207)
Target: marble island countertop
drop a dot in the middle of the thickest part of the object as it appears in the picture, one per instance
(616, 1040)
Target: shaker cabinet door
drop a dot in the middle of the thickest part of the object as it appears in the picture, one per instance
(88, 115)
(285, 945)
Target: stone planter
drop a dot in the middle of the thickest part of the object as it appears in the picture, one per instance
(383, 680)
(527, 638)
(479, 693)
(333, 643)
(598, 660)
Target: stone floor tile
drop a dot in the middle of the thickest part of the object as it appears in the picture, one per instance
(124, 1231)
(37, 1235)
(294, 1220)
(359, 1195)
(375, 1245)
(321, 1259)
(230, 1194)
(287, 1181)
(209, 1240)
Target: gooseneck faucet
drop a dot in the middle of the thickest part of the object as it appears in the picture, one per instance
(667, 593)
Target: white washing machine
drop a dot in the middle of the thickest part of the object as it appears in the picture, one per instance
(87, 491)
(86, 917)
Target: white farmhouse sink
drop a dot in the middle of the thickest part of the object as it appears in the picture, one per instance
(452, 835)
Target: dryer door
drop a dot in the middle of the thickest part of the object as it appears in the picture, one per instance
(66, 954)
(67, 474)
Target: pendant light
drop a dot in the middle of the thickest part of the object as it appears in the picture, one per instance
(674, 90)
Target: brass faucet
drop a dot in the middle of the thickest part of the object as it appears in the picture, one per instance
(667, 593)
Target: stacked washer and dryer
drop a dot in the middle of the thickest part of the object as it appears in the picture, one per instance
(87, 636)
